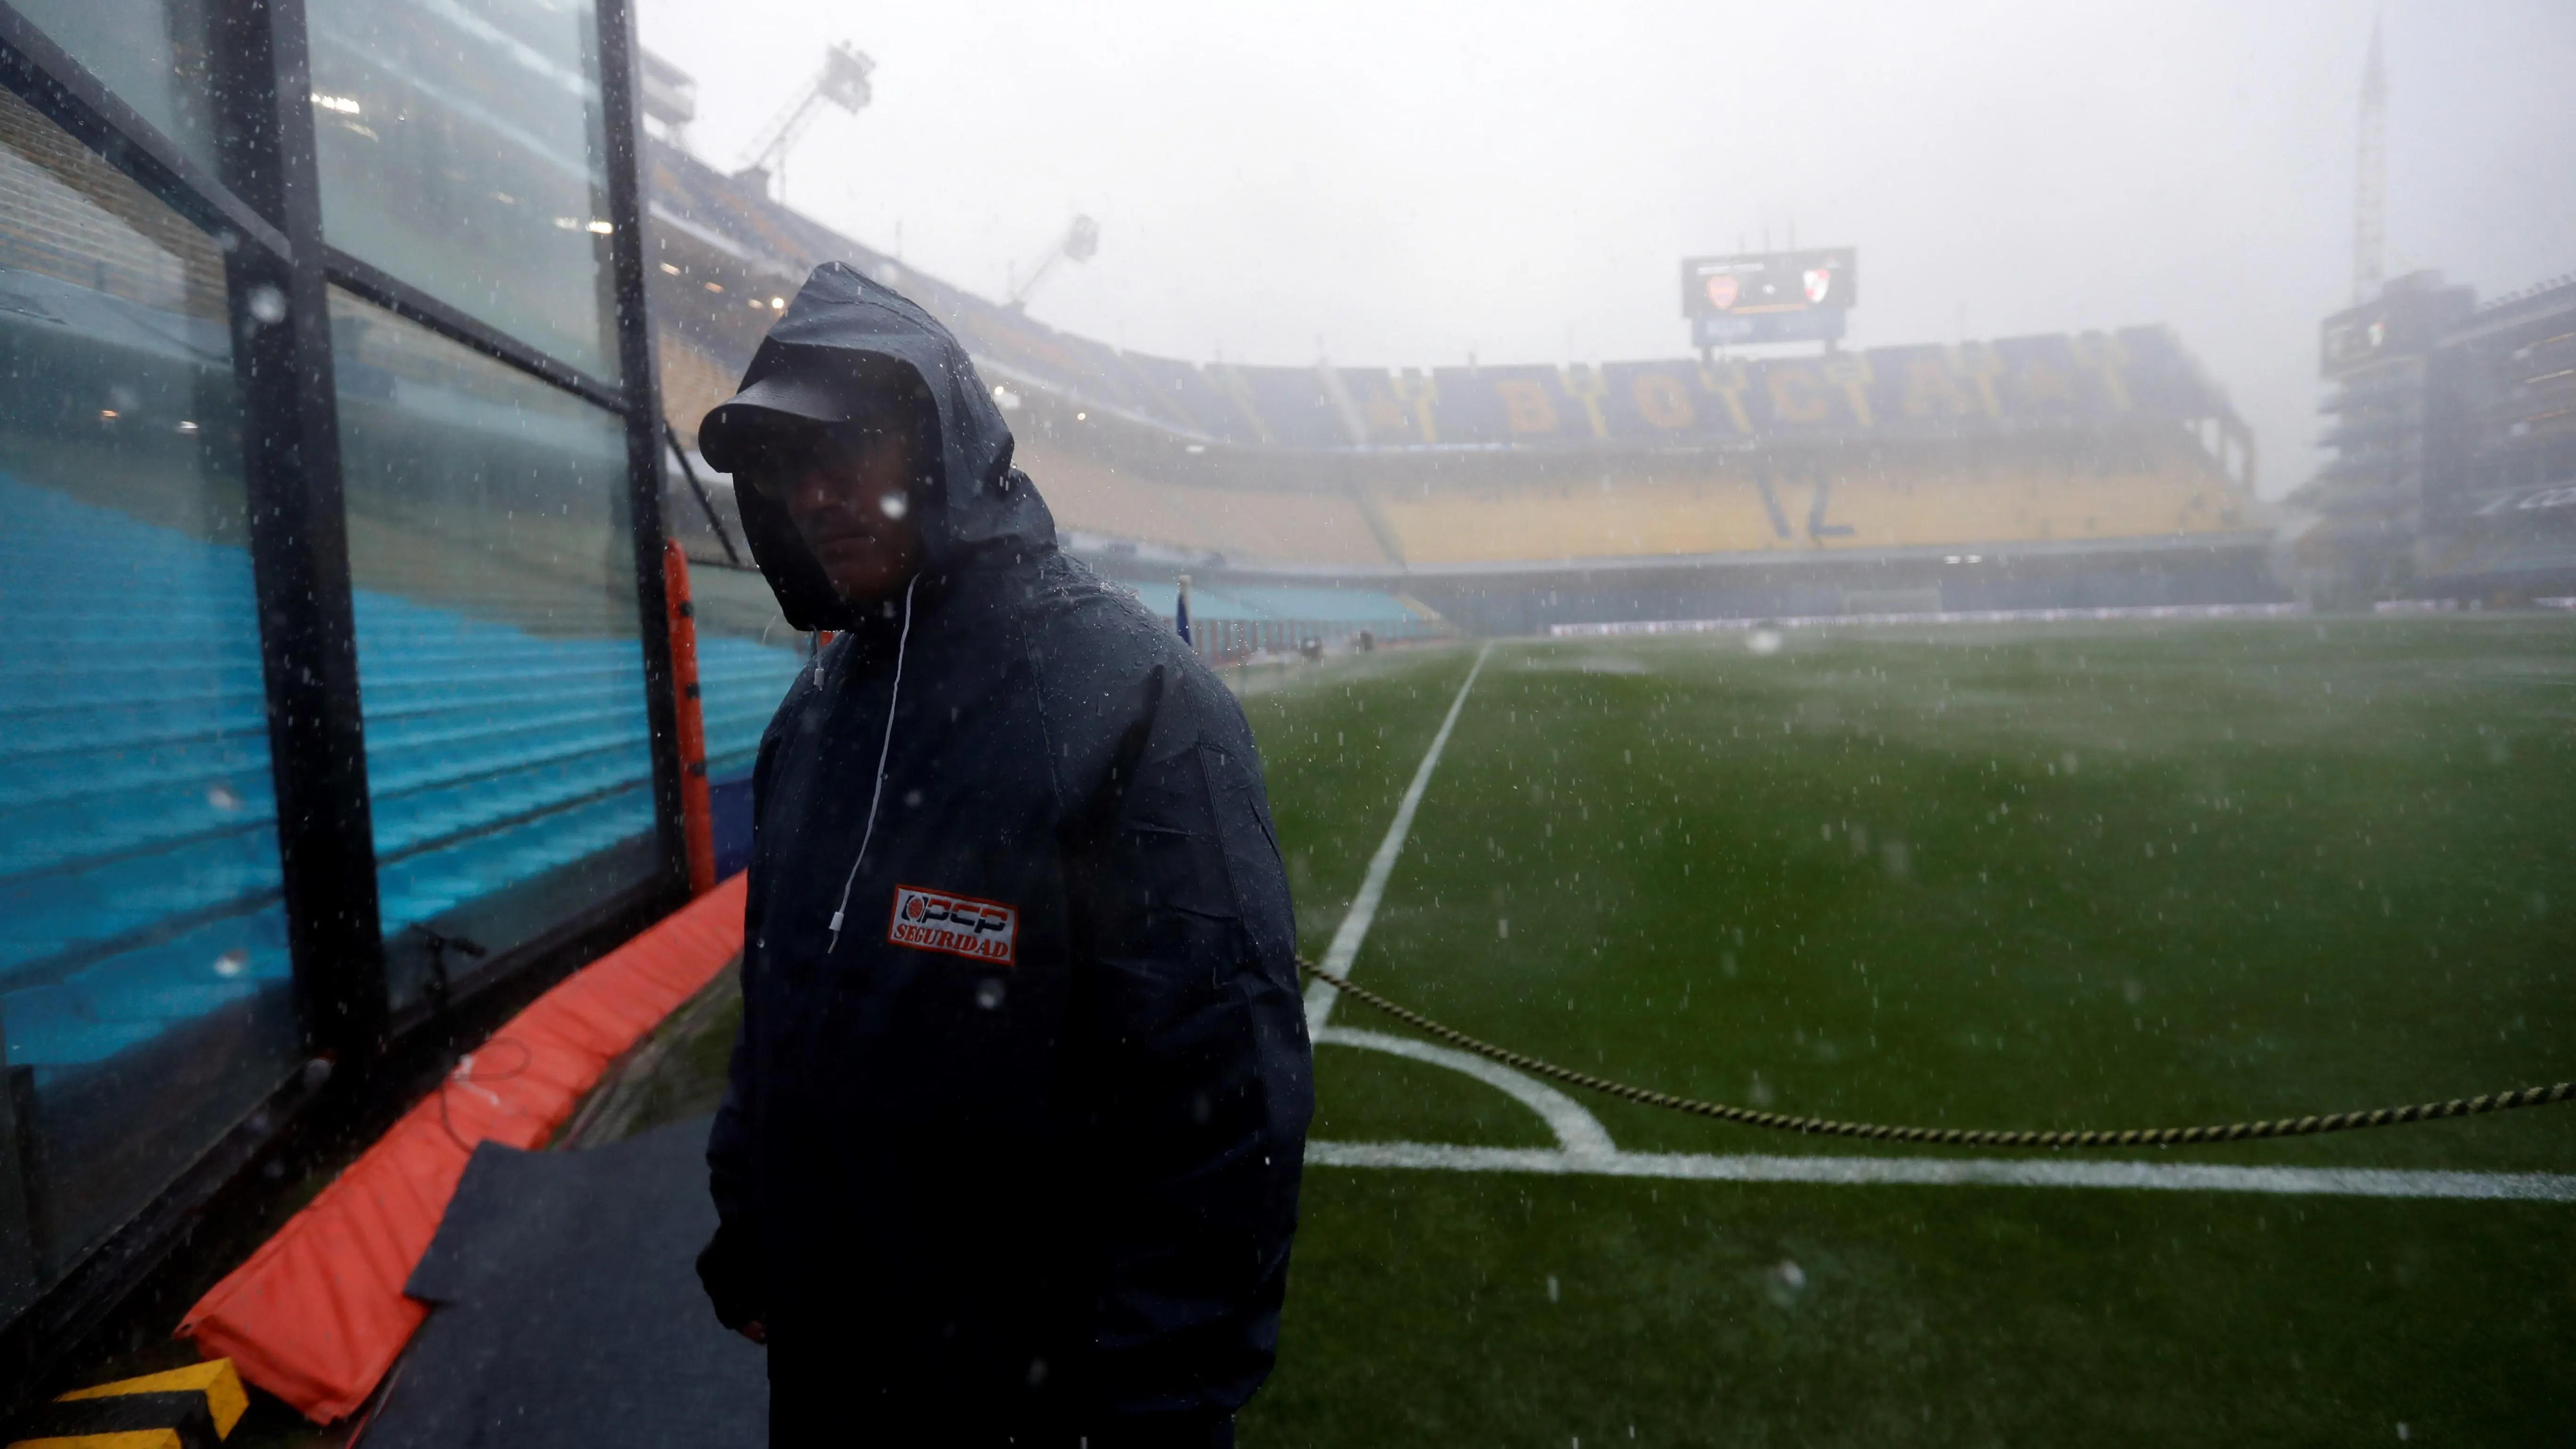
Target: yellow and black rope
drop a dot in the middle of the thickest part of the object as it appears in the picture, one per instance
(1954, 1136)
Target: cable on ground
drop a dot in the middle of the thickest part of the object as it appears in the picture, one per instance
(1953, 1136)
(466, 1074)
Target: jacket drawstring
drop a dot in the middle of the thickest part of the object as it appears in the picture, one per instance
(894, 696)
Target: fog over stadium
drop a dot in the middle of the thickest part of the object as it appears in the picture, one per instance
(1005, 724)
(1411, 186)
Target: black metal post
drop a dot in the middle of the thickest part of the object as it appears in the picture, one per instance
(300, 557)
(622, 126)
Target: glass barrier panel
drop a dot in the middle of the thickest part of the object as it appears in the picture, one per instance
(498, 658)
(145, 993)
(154, 55)
(461, 150)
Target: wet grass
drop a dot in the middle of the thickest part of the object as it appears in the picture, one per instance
(2076, 876)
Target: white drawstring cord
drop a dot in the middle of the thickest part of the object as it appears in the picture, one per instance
(894, 696)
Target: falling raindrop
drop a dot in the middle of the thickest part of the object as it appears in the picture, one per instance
(988, 993)
(232, 963)
(267, 305)
(1783, 1281)
(1763, 641)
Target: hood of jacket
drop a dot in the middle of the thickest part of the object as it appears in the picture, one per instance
(970, 502)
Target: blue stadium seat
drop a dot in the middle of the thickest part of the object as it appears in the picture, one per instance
(139, 879)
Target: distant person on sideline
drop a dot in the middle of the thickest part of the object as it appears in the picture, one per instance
(1010, 1150)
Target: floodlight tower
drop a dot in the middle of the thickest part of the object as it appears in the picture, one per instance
(843, 81)
(1080, 243)
(2370, 194)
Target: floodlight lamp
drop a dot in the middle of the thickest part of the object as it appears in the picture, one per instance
(1082, 239)
(845, 77)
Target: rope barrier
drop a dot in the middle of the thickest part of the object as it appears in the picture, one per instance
(1954, 1136)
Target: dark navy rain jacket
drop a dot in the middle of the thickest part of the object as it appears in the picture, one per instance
(1015, 1155)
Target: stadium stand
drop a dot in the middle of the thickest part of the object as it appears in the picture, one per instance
(1460, 485)
(1955, 498)
(1100, 497)
(139, 884)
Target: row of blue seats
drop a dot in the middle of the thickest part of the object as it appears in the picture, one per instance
(91, 709)
(139, 877)
(125, 1000)
(82, 867)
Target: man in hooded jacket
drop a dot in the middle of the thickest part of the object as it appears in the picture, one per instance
(1011, 1143)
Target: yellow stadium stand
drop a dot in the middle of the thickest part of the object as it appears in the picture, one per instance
(1933, 500)
(1323, 526)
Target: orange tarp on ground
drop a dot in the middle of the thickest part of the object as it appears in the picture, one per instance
(318, 1314)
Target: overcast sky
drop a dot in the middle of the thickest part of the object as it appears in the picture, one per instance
(1405, 184)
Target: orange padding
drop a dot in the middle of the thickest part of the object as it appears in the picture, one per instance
(318, 1313)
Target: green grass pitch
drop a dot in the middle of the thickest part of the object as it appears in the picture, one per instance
(2054, 876)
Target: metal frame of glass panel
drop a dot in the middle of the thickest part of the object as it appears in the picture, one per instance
(264, 210)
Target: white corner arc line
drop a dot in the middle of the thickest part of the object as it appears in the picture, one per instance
(1578, 1133)
(1355, 924)
(2367, 1182)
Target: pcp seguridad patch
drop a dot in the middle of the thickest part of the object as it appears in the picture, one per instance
(928, 920)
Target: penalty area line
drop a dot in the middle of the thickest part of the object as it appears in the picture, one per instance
(1957, 1172)
(1355, 925)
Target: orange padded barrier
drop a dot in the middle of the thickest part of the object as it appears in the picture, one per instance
(317, 1315)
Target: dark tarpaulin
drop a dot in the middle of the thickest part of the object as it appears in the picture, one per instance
(565, 1310)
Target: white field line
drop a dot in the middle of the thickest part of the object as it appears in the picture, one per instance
(1577, 1132)
(1355, 926)
(1957, 1172)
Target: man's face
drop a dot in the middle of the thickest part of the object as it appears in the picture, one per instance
(848, 490)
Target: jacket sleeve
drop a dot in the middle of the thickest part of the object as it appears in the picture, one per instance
(729, 1265)
(1200, 1079)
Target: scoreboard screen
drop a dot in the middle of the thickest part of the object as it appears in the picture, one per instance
(1770, 283)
